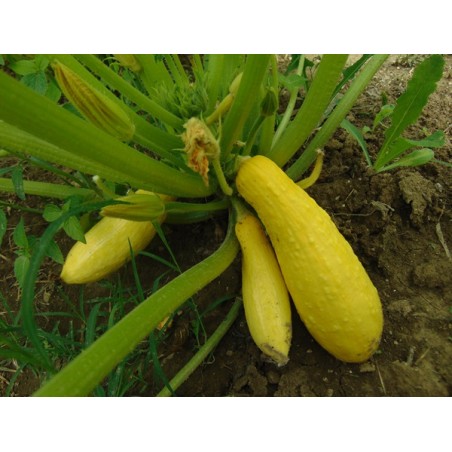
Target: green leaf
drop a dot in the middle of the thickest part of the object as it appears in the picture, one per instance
(294, 62)
(2, 61)
(91, 324)
(18, 182)
(41, 62)
(3, 224)
(21, 265)
(4, 171)
(73, 229)
(415, 158)
(358, 135)
(350, 72)
(37, 81)
(292, 81)
(435, 140)
(51, 212)
(19, 235)
(396, 148)
(54, 252)
(53, 92)
(23, 67)
(401, 145)
(385, 111)
(410, 104)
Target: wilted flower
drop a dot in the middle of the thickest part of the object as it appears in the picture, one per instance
(201, 147)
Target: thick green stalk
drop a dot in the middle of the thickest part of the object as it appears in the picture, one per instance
(45, 189)
(113, 80)
(176, 207)
(196, 63)
(86, 371)
(39, 116)
(311, 112)
(249, 92)
(176, 69)
(204, 351)
(214, 80)
(188, 212)
(154, 73)
(268, 126)
(336, 117)
(20, 142)
(252, 134)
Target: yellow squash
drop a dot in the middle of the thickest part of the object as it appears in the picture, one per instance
(106, 249)
(332, 292)
(265, 297)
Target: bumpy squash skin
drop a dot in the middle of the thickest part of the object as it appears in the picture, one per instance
(106, 248)
(332, 292)
(265, 298)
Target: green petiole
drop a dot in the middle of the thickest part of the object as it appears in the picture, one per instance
(204, 351)
(82, 374)
(334, 120)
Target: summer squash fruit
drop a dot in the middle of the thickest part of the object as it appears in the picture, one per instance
(330, 288)
(106, 249)
(265, 298)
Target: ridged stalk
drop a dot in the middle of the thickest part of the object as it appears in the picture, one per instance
(40, 117)
(311, 112)
(45, 189)
(116, 82)
(146, 134)
(250, 85)
(86, 371)
(18, 141)
(336, 117)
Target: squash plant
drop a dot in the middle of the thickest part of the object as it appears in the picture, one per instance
(149, 122)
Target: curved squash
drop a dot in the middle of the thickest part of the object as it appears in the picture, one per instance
(265, 297)
(332, 292)
(106, 248)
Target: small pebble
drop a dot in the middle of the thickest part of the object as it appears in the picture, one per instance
(367, 367)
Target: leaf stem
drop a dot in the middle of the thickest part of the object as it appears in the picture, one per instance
(222, 182)
(82, 374)
(45, 189)
(336, 117)
(311, 112)
(204, 351)
(247, 95)
(39, 116)
(116, 82)
(290, 106)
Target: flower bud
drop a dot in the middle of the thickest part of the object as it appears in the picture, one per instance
(141, 206)
(93, 105)
(234, 86)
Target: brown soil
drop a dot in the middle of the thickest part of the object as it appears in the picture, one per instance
(399, 225)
